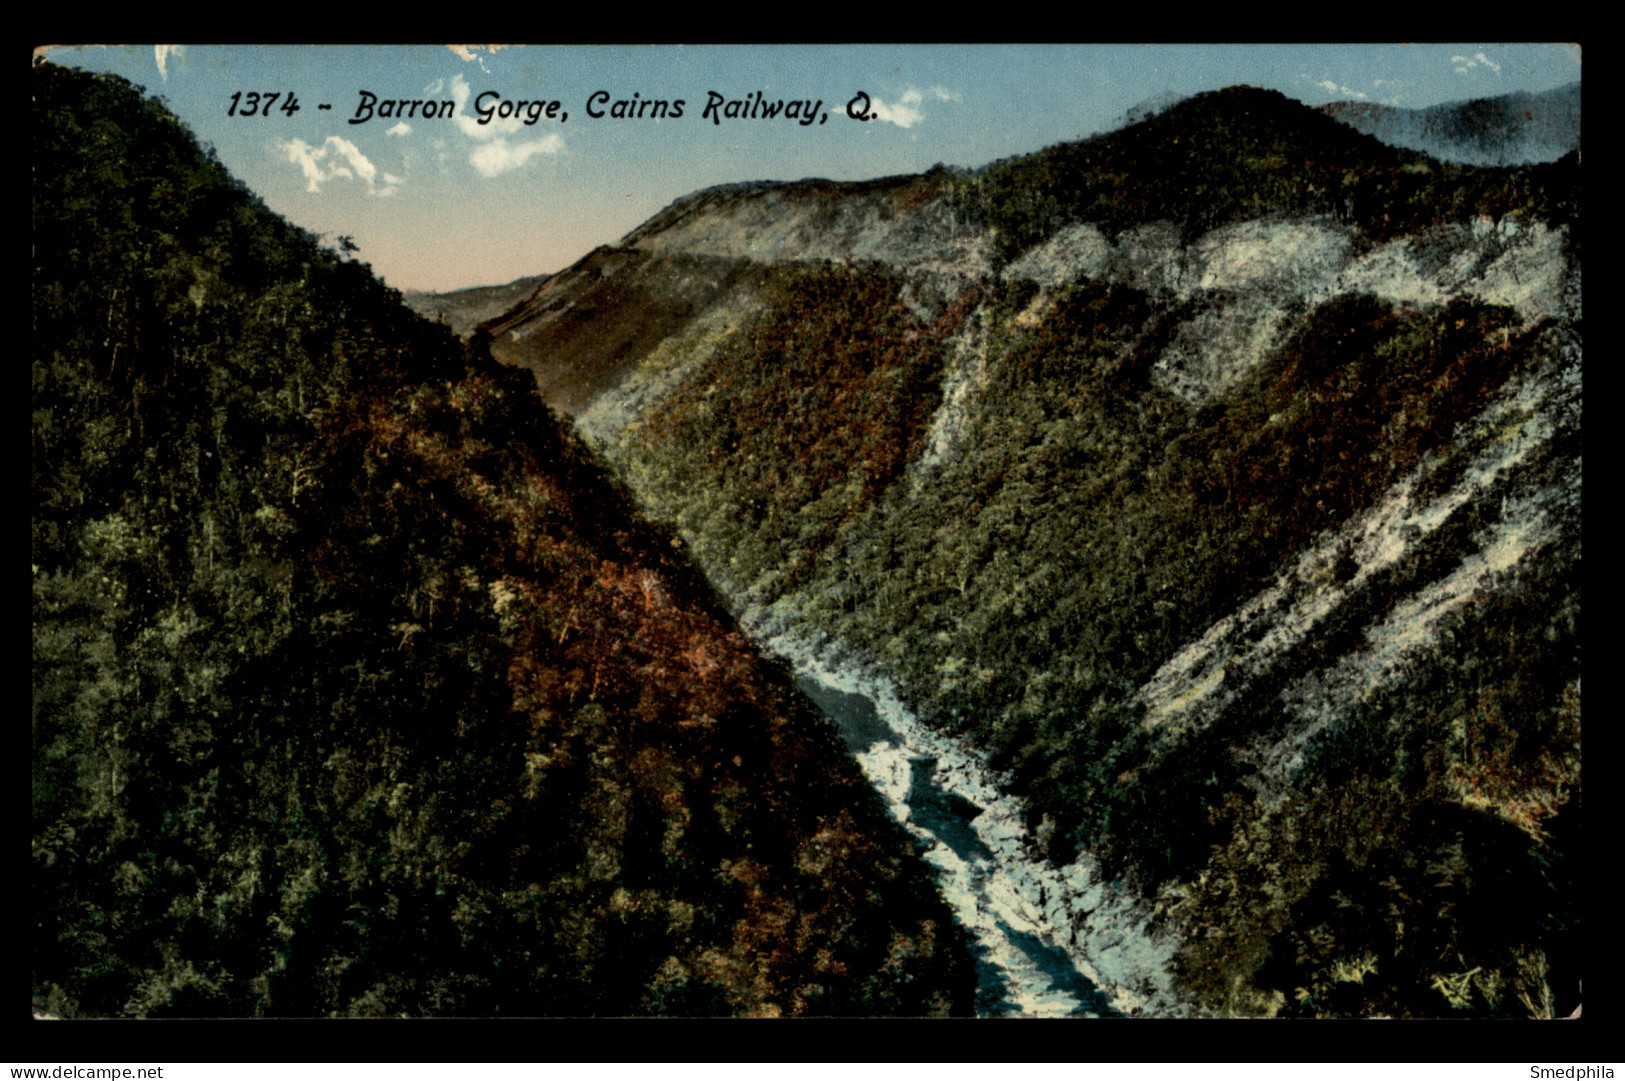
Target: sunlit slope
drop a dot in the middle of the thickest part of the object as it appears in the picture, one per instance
(360, 688)
(1219, 480)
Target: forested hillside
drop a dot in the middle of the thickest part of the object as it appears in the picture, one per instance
(360, 688)
(1216, 481)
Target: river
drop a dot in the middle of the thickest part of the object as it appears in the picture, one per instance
(1048, 941)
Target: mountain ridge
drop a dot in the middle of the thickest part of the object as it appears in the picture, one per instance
(946, 228)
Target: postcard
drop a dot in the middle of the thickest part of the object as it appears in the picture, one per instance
(889, 530)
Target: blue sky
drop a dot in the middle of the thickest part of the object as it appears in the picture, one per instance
(449, 202)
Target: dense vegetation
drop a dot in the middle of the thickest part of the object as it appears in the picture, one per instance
(1090, 524)
(359, 687)
(799, 426)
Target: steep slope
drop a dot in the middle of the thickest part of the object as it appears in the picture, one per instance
(360, 689)
(1215, 485)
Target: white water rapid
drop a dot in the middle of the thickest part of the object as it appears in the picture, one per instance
(1049, 941)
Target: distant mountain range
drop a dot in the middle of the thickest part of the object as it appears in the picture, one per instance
(1514, 129)
(464, 309)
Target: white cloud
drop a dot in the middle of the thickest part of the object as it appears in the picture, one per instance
(163, 53)
(1465, 65)
(905, 114)
(468, 121)
(339, 158)
(499, 156)
(467, 51)
(944, 94)
(1337, 88)
(474, 53)
(402, 128)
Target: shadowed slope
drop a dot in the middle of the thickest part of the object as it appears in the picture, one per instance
(361, 689)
